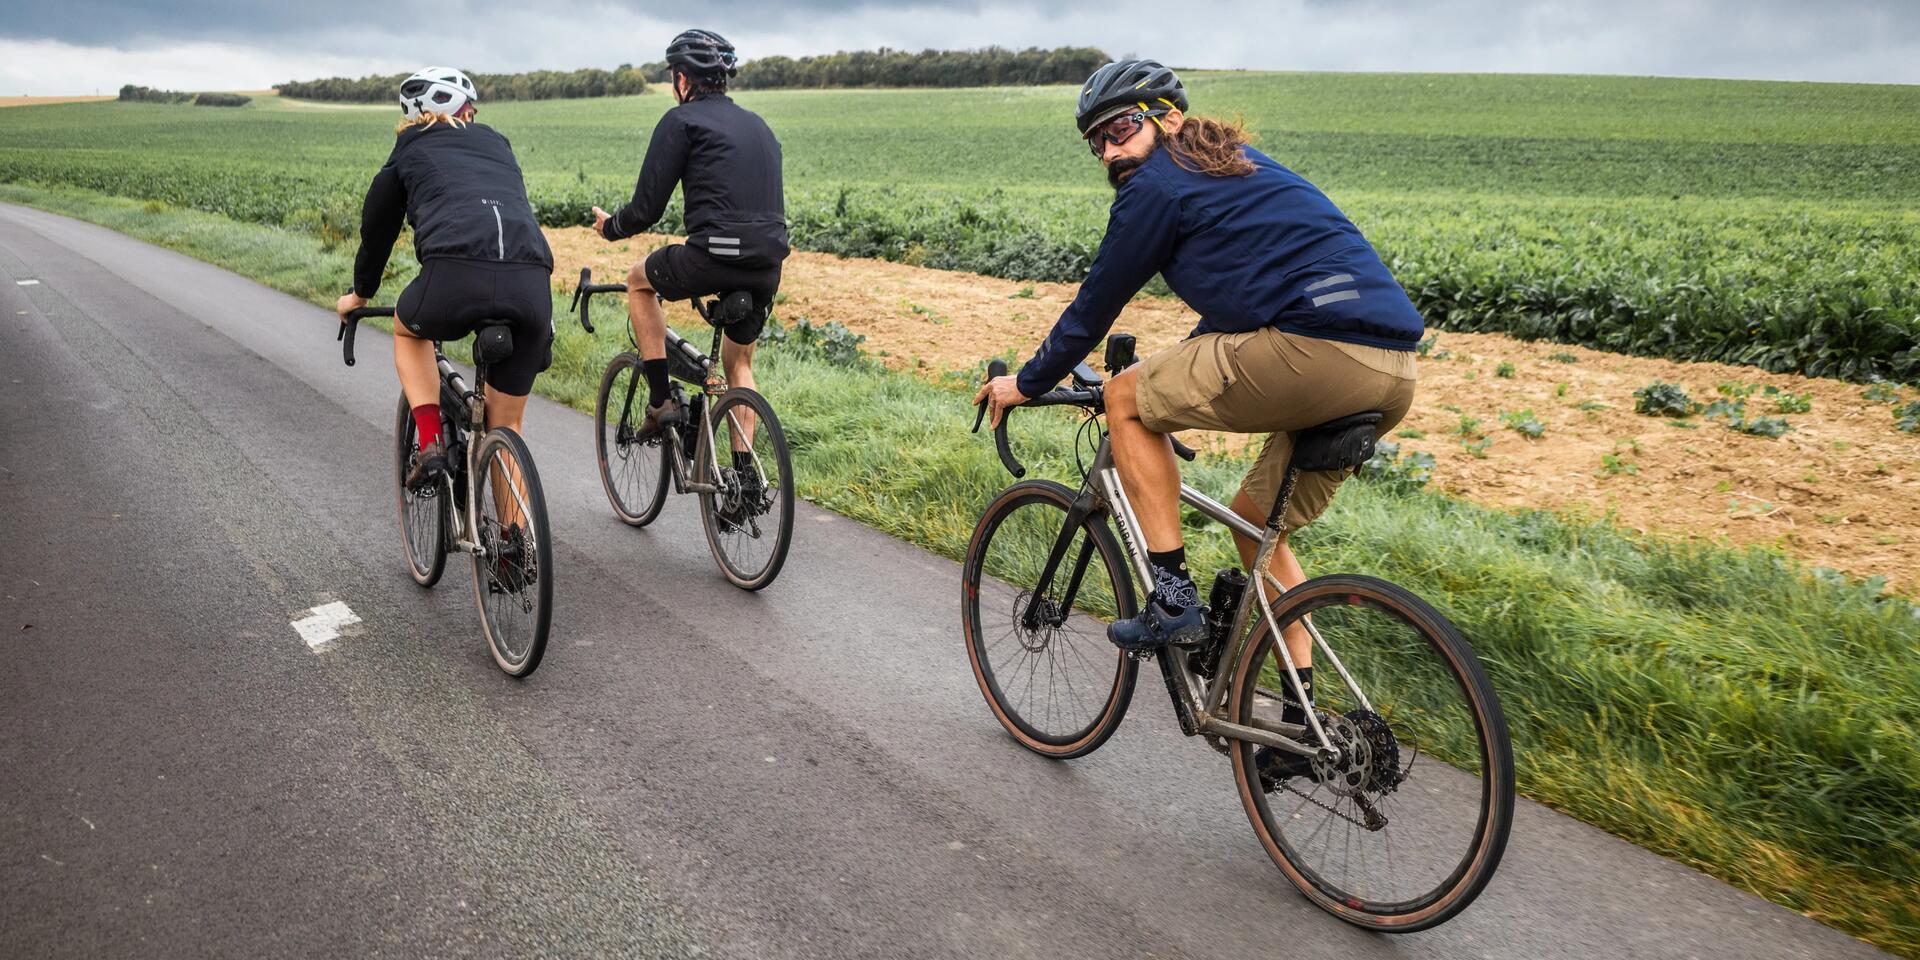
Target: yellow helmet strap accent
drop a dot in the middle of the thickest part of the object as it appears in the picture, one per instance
(1150, 115)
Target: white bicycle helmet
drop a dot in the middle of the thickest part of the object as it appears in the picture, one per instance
(436, 90)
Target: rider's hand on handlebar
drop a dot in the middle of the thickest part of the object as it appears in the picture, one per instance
(1000, 393)
(600, 218)
(348, 301)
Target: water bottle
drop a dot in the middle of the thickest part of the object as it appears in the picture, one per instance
(1223, 603)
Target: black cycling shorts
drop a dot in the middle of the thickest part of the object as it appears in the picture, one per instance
(680, 272)
(450, 298)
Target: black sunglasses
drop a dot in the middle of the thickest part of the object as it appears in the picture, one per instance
(1116, 131)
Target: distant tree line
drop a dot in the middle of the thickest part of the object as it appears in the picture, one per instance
(140, 94)
(534, 85)
(993, 66)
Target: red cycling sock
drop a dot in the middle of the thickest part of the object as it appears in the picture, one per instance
(426, 420)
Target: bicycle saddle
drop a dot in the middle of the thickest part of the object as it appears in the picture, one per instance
(493, 343)
(1337, 444)
(730, 309)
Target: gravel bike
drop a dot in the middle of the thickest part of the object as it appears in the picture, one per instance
(488, 504)
(1401, 813)
(746, 503)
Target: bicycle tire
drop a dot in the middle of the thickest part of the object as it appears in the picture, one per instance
(423, 517)
(1088, 644)
(729, 539)
(517, 647)
(633, 474)
(1489, 795)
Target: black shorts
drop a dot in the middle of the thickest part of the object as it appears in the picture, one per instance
(450, 298)
(680, 272)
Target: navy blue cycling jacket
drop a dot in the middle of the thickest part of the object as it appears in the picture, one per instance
(1266, 249)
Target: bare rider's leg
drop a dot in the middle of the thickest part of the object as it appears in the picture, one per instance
(413, 361)
(737, 360)
(649, 319)
(504, 410)
(1285, 567)
(1145, 461)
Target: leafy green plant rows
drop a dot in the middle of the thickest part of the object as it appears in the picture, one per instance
(1772, 225)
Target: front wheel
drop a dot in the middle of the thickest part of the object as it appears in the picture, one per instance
(1404, 828)
(633, 472)
(749, 517)
(513, 577)
(1039, 650)
(423, 513)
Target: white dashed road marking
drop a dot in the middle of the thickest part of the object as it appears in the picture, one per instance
(322, 623)
(26, 283)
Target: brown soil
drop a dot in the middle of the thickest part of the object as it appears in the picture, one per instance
(1841, 490)
(39, 101)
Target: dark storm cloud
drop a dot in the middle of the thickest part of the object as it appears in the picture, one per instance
(229, 43)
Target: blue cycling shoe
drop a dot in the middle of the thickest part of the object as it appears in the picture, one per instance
(1157, 626)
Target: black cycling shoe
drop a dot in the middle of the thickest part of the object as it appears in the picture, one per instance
(658, 419)
(1156, 627)
(429, 464)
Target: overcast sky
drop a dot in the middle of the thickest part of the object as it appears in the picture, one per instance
(80, 46)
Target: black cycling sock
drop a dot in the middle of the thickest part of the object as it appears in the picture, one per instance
(742, 460)
(658, 385)
(1291, 712)
(1173, 588)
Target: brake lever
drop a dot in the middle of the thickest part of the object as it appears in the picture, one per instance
(997, 368)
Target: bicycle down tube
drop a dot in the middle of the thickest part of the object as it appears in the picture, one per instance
(1205, 703)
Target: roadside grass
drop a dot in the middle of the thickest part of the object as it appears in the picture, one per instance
(1728, 708)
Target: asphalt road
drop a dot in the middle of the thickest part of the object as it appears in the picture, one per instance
(186, 467)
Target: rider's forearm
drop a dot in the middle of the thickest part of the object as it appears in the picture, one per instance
(381, 218)
(659, 173)
(1139, 238)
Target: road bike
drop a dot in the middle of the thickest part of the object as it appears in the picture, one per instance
(746, 503)
(488, 504)
(1396, 812)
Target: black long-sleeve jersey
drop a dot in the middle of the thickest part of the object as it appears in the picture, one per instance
(461, 189)
(727, 162)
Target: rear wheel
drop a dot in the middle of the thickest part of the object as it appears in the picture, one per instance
(1405, 828)
(633, 472)
(513, 578)
(749, 519)
(1042, 658)
(423, 513)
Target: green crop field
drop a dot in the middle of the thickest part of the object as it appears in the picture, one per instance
(1729, 708)
(1774, 224)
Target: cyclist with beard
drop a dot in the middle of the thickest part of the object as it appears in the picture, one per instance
(1300, 323)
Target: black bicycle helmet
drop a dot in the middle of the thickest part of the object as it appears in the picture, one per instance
(1125, 85)
(702, 53)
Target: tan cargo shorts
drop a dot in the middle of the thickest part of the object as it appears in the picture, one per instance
(1268, 380)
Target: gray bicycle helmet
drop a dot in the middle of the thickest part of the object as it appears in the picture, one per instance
(1128, 85)
(702, 53)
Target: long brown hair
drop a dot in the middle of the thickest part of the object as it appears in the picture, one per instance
(1209, 146)
(427, 118)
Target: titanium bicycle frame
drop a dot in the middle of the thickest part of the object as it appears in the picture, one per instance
(1199, 704)
(472, 403)
(454, 393)
(699, 368)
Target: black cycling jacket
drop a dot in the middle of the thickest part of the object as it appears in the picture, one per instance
(728, 164)
(463, 193)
